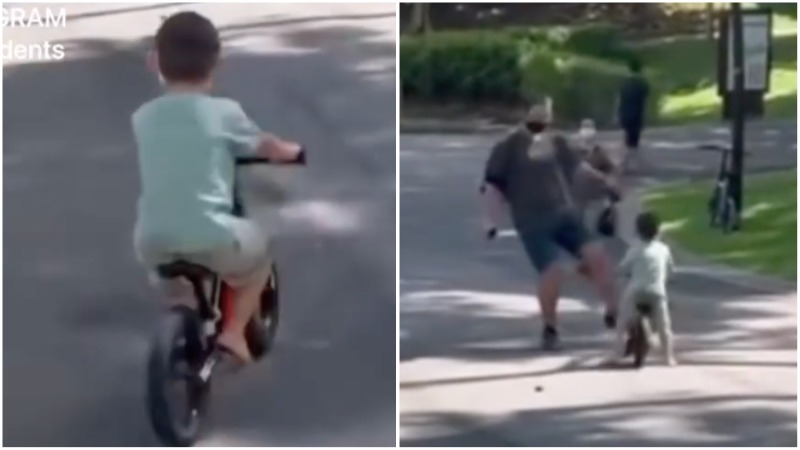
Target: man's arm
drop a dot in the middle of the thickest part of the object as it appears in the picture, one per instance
(493, 207)
(624, 267)
(494, 184)
(603, 181)
(573, 164)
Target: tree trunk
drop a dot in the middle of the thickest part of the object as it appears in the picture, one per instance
(420, 18)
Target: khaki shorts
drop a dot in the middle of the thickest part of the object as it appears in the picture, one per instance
(245, 260)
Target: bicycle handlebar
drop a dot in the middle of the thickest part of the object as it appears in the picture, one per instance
(252, 160)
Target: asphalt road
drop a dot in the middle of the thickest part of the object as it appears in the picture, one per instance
(78, 313)
(470, 372)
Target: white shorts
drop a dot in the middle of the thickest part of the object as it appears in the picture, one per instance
(246, 259)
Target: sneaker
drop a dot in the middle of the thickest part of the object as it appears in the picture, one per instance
(550, 340)
(671, 362)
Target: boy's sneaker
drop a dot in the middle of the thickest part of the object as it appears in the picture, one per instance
(550, 339)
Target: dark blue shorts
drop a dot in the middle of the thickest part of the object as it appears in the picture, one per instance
(564, 230)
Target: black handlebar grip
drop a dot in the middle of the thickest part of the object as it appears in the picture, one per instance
(300, 159)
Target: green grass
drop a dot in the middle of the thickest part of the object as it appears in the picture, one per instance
(685, 71)
(767, 243)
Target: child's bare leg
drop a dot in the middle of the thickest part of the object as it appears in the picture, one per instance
(621, 329)
(663, 324)
(246, 304)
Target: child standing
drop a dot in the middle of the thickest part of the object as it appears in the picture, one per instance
(649, 264)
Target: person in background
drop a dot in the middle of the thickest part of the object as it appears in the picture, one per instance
(593, 195)
(631, 108)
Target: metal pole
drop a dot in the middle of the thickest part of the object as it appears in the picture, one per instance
(737, 104)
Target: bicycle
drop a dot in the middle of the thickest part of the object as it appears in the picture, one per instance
(639, 332)
(722, 209)
(185, 349)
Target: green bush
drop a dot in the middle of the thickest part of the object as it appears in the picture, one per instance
(581, 68)
(469, 66)
(597, 40)
(580, 86)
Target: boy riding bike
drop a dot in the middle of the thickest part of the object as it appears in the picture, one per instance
(187, 144)
(648, 265)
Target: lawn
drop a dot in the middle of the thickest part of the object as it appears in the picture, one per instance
(684, 68)
(767, 244)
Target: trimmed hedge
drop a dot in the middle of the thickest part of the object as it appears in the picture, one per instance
(470, 66)
(581, 68)
(580, 86)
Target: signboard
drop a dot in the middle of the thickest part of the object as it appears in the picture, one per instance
(757, 60)
(756, 52)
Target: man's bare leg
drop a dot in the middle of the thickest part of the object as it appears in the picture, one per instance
(549, 291)
(599, 267)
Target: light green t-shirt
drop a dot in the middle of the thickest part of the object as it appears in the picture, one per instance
(649, 265)
(187, 145)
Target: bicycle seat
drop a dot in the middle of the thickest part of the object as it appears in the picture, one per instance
(183, 269)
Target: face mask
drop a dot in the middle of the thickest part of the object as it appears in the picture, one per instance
(535, 127)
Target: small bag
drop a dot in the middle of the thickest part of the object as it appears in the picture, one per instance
(607, 221)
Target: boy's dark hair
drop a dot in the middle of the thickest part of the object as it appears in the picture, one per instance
(635, 65)
(188, 47)
(647, 226)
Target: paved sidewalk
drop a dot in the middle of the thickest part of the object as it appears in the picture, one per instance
(470, 374)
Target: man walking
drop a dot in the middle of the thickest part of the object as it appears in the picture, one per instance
(631, 107)
(532, 170)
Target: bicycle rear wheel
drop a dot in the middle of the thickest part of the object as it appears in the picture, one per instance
(640, 341)
(716, 205)
(730, 216)
(261, 331)
(175, 359)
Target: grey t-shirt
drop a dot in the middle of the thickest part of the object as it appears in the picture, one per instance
(527, 170)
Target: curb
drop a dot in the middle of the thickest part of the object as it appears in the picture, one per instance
(631, 206)
(472, 126)
(485, 126)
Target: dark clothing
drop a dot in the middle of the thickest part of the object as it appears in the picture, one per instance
(536, 178)
(562, 230)
(527, 173)
(632, 102)
(633, 133)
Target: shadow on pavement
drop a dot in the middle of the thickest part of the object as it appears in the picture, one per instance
(711, 420)
(77, 331)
